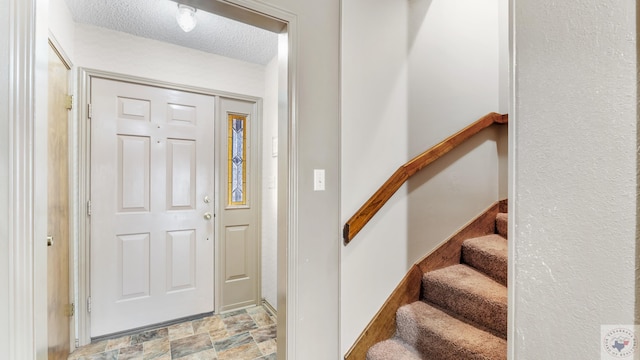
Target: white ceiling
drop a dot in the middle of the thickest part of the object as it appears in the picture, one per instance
(156, 19)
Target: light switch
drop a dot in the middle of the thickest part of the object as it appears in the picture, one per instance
(318, 179)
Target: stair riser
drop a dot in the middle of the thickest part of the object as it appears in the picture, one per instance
(494, 266)
(502, 224)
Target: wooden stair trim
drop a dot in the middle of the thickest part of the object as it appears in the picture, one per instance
(504, 205)
(383, 324)
(450, 252)
(386, 191)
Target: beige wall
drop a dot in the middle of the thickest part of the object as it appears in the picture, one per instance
(375, 88)
(573, 142)
(317, 132)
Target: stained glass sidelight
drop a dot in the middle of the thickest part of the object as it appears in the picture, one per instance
(237, 138)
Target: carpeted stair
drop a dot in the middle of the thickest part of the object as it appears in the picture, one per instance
(463, 309)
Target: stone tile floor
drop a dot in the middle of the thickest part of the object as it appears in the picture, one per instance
(248, 334)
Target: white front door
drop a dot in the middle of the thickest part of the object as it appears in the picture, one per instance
(152, 152)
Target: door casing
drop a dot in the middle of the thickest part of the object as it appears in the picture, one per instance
(84, 147)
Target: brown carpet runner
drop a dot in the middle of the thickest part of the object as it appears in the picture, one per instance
(463, 309)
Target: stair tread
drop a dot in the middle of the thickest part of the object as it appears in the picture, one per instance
(489, 254)
(435, 334)
(393, 349)
(469, 293)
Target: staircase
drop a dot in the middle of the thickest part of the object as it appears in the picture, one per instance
(462, 312)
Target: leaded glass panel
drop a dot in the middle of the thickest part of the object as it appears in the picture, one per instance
(237, 138)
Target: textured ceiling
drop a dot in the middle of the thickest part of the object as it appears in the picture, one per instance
(156, 19)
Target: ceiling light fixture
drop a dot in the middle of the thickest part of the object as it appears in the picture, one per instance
(186, 17)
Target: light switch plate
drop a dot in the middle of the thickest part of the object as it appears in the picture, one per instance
(318, 179)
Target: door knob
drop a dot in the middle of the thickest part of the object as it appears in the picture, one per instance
(207, 216)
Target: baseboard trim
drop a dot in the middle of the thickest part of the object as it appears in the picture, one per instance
(450, 251)
(383, 324)
(504, 205)
(269, 307)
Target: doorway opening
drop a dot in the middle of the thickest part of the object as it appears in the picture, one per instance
(264, 16)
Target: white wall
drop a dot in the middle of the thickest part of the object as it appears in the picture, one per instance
(573, 181)
(62, 26)
(5, 168)
(108, 50)
(432, 69)
(270, 186)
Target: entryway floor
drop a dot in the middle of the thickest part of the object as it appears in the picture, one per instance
(248, 334)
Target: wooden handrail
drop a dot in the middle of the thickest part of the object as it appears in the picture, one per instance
(384, 193)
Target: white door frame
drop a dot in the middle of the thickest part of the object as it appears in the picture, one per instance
(24, 211)
(84, 163)
(23, 200)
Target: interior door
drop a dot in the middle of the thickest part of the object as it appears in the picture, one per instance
(240, 223)
(151, 204)
(59, 307)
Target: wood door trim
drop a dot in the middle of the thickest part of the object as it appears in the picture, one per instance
(63, 233)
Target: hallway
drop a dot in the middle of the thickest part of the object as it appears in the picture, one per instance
(246, 334)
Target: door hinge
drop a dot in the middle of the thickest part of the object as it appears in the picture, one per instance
(89, 208)
(68, 102)
(71, 310)
(89, 304)
(77, 343)
(89, 111)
